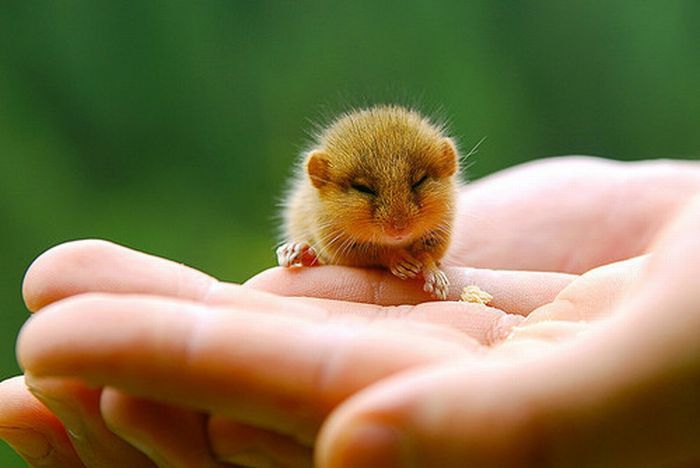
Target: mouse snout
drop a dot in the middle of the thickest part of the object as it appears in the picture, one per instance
(397, 225)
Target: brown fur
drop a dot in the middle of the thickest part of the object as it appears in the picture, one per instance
(386, 149)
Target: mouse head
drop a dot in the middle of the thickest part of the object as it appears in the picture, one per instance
(385, 175)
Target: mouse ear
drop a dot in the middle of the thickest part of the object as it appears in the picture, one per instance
(447, 164)
(318, 167)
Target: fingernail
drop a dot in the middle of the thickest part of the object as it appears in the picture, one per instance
(30, 444)
(370, 444)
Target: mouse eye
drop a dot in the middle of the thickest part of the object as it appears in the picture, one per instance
(419, 182)
(364, 189)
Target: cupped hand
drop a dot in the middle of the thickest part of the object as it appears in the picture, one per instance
(271, 368)
(621, 390)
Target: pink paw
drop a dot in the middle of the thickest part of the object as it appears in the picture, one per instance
(436, 283)
(405, 266)
(296, 254)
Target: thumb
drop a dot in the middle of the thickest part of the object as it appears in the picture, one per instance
(623, 394)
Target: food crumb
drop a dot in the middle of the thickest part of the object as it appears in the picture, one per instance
(473, 293)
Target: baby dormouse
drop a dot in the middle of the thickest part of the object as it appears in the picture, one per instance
(378, 188)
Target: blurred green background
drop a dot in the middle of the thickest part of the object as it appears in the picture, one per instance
(171, 126)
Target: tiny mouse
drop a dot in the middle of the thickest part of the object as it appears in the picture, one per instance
(378, 188)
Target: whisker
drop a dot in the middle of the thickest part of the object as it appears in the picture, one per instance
(474, 150)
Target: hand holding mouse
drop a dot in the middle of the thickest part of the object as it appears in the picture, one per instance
(238, 435)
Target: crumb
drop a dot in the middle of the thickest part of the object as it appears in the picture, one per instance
(475, 294)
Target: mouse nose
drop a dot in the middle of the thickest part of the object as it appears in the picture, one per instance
(397, 226)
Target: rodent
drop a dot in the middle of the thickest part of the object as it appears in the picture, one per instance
(378, 188)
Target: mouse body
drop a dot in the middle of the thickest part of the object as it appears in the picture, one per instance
(378, 188)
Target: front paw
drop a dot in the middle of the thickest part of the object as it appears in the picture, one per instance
(436, 283)
(296, 254)
(404, 265)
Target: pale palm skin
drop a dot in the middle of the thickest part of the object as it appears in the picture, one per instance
(602, 368)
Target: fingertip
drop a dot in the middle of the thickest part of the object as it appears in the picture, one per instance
(16, 403)
(447, 415)
(395, 422)
(24, 346)
(64, 333)
(98, 266)
(40, 286)
(31, 429)
(31, 340)
(363, 431)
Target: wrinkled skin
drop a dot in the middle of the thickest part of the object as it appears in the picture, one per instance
(132, 360)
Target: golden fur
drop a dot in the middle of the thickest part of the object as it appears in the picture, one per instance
(379, 184)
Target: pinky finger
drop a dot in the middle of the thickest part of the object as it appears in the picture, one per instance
(32, 430)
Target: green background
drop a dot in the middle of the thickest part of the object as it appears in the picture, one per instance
(171, 126)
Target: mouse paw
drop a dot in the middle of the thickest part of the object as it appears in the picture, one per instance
(404, 265)
(296, 254)
(436, 283)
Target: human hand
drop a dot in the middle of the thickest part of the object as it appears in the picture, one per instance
(635, 358)
(389, 295)
(439, 329)
(621, 390)
(292, 401)
(568, 214)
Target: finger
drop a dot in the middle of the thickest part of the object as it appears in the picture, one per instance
(32, 430)
(516, 292)
(246, 445)
(77, 407)
(277, 371)
(100, 266)
(170, 436)
(625, 394)
(470, 416)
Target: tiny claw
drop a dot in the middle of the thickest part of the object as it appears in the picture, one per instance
(405, 266)
(437, 284)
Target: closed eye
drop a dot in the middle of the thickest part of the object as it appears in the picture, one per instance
(419, 182)
(363, 189)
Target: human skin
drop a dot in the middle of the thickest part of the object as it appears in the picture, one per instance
(604, 369)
